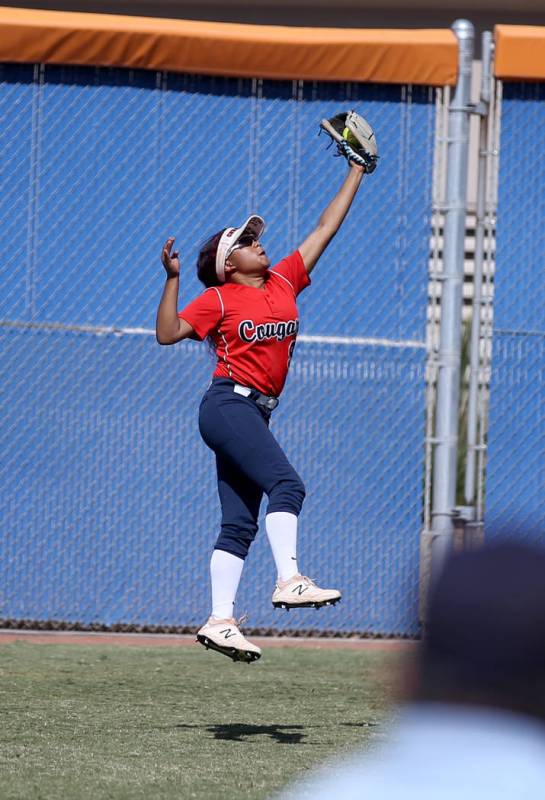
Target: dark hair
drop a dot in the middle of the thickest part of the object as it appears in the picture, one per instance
(206, 260)
(206, 272)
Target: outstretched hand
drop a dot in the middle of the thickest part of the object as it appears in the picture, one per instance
(169, 259)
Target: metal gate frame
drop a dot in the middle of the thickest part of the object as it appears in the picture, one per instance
(449, 524)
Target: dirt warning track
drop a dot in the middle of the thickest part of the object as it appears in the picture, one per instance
(7, 636)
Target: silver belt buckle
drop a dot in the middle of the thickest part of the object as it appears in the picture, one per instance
(267, 402)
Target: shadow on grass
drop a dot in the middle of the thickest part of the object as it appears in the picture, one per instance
(236, 732)
(359, 724)
(283, 734)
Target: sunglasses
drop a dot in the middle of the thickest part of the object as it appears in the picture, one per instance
(246, 240)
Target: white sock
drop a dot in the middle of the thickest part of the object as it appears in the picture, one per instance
(282, 532)
(225, 572)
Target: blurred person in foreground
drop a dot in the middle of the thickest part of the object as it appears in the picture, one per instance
(474, 723)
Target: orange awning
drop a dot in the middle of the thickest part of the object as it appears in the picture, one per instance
(213, 48)
(520, 52)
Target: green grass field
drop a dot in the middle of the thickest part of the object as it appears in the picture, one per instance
(113, 722)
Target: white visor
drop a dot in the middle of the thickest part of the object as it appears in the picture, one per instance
(254, 225)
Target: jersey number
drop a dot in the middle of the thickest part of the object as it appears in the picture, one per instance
(290, 351)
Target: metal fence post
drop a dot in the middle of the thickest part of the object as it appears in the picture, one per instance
(475, 375)
(449, 357)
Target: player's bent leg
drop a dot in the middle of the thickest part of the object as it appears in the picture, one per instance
(301, 592)
(240, 436)
(260, 458)
(240, 499)
(225, 637)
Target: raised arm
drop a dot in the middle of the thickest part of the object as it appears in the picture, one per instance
(169, 328)
(332, 218)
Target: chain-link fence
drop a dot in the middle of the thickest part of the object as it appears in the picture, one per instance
(515, 485)
(108, 495)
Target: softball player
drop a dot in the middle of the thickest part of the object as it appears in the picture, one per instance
(249, 314)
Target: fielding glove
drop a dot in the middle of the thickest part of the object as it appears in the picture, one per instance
(354, 137)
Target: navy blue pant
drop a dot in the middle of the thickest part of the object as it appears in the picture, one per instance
(249, 462)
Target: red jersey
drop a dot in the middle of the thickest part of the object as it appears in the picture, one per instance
(254, 330)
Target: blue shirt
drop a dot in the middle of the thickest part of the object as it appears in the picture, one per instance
(441, 752)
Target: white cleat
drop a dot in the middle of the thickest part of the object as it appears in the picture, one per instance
(302, 592)
(224, 636)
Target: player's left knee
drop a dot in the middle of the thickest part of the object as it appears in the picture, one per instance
(288, 495)
(300, 490)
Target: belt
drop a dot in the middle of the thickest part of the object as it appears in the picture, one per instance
(265, 401)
